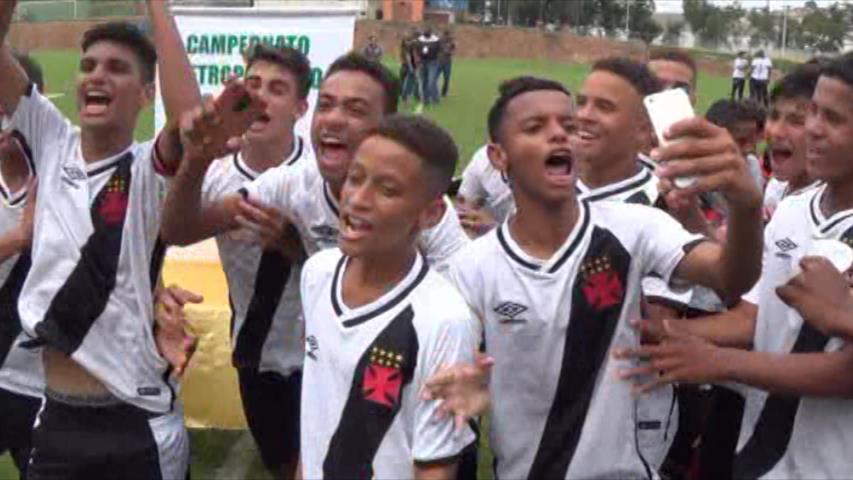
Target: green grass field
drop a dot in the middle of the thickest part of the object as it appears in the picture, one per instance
(231, 455)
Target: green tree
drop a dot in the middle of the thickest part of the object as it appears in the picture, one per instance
(672, 33)
(764, 27)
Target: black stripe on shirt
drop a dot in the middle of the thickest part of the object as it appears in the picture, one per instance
(270, 281)
(157, 257)
(597, 299)
(330, 201)
(635, 184)
(385, 369)
(84, 295)
(10, 321)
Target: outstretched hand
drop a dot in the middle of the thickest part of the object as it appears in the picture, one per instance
(172, 333)
(462, 388)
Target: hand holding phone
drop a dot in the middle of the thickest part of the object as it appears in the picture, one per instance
(666, 109)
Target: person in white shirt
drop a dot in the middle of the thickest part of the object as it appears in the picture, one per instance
(785, 135)
(786, 347)
(761, 69)
(739, 69)
(110, 406)
(379, 321)
(560, 279)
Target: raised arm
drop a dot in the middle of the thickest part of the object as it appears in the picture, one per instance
(709, 154)
(178, 85)
(13, 80)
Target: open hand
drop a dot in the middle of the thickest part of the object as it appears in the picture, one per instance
(463, 389)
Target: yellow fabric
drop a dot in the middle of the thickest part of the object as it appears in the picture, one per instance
(210, 391)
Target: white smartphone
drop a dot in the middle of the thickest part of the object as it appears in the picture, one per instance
(665, 109)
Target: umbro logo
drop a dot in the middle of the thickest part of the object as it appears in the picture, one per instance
(510, 312)
(72, 175)
(311, 347)
(786, 245)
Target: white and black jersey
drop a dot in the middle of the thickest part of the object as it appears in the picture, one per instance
(785, 436)
(775, 192)
(302, 194)
(362, 411)
(558, 407)
(263, 287)
(96, 256)
(483, 183)
(20, 368)
(640, 189)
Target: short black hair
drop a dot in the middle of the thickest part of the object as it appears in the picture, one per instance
(635, 73)
(428, 141)
(357, 62)
(800, 83)
(841, 69)
(32, 69)
(288, 58)
(512, 88)
(727, 113)
(678, 56)
(130, 36)
(757, 111)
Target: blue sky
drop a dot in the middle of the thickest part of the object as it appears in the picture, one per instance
(670, 6)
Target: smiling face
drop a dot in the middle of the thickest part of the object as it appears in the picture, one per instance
(110, 87)
(610, 122)
(785, 134)
(386, 200)
(278, 87)
(350, 105)
(533, 149)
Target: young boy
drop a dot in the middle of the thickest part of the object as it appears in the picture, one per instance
(379, 321)
(21, 375)
(560, 280)
(110, 403)
(263, 282)
(798, 415)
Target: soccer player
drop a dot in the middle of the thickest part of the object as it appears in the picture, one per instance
(379, 321)
(557, 284)
(263, 278)
(785, 135)
(109, 406)
(798, 418)
(21, 375)
(354, 97)
(484, 199)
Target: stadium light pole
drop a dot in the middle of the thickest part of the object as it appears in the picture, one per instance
(627, 19)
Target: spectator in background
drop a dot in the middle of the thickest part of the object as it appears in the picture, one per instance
(760, 71)
(372, 51)
(741, 65)
(445, 60)
(429, 47)
(409, 62)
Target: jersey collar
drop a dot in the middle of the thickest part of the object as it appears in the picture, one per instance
(359, 315)
(593, 195)
(821, 223)
(552, 265)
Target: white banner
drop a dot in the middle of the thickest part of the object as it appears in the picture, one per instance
(215, 39)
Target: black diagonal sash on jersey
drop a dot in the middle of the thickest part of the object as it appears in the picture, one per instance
(83, 297)
(592, 322)
(369, 413)
(775, 424)
(270, 280)
(10, 321)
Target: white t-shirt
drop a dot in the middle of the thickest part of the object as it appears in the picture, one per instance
(558, 407)
(761, 67)
(783, 436)
(89, 291)
(21, 369)
(483, 183)
(740, 65)
(362, 411)
(304, 197)
(775, 192)
(263, 287)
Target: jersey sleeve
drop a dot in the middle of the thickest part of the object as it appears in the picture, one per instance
(439, 243)
(436, 438)
(664, 244)
(36, 122)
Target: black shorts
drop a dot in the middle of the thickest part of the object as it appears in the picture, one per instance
(271, 404)
(110, 441)
(17, 415)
